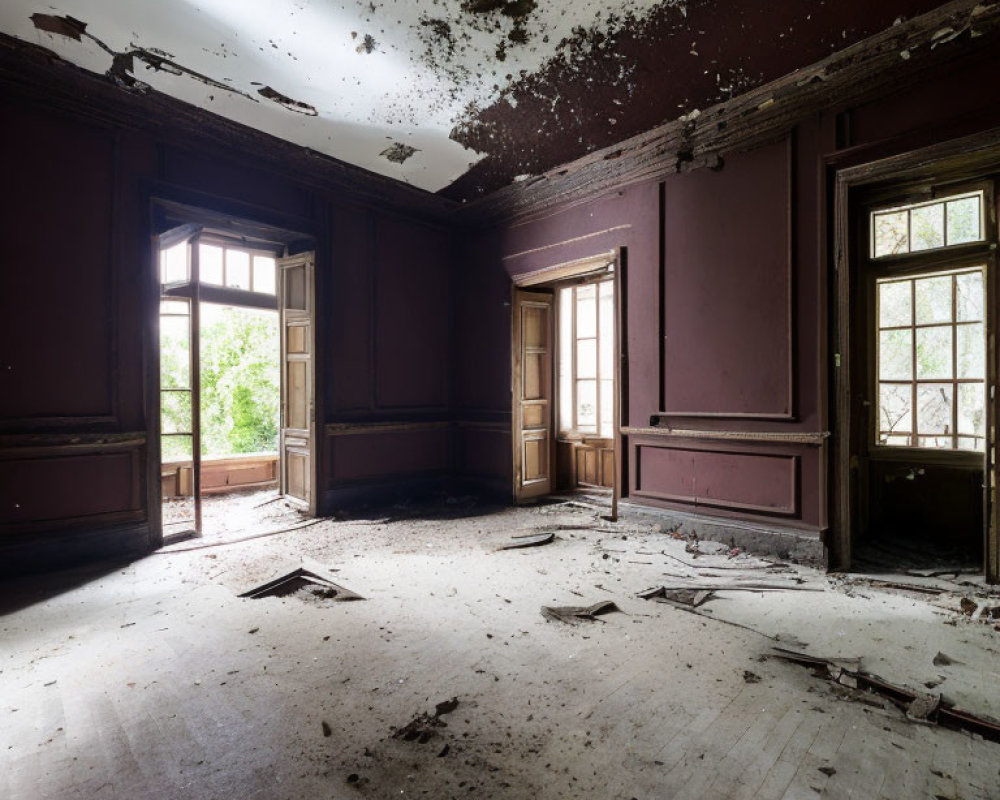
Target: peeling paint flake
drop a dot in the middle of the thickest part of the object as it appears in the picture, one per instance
(368, 44)
(398, 152)
(286, 101)
(64, 26)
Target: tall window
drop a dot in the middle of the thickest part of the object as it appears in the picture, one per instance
(931, 360)
(586, 359)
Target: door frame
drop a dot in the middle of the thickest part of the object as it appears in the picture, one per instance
(960, 160)
(614, 263)
(171, 208)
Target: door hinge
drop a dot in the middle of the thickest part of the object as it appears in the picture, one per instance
(836, 360)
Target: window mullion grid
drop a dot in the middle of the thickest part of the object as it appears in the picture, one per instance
(909, 231)
(597, 354)
(915, 434)
(573, 348)
(954, 350)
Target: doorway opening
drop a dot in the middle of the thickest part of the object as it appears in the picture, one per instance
(916, 370)
(234, 377)
(566, 380)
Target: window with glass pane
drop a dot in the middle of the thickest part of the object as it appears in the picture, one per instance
(926, 226)
(931, 361)
(210, 264)
(237, 269)
(263, 274)
(174, 264)
(586, 359)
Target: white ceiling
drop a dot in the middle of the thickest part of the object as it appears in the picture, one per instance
(410, 88)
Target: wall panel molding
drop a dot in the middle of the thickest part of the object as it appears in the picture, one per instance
(72, 484)
(771, 437)
(759, 482)
(749, 192)
(107, 317)
(369, 428)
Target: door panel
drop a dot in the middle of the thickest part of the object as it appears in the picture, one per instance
(532, 393)
(297, 445)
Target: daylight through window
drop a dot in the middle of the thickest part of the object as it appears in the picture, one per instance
(926, 226)
(586, 359)
(931, 361)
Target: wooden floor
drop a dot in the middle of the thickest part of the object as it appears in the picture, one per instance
(156, 681)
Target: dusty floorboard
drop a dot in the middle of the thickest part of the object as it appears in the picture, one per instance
(155, 680)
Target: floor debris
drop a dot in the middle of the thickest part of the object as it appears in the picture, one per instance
(308, 580)
(916, 706)
(572, 615)
(529, 540)
(424, 727)
(688, 598)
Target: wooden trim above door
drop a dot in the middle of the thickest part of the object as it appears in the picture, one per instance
(578, 268)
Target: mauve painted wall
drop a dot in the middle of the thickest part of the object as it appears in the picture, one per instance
(745, 298)
(71, 316)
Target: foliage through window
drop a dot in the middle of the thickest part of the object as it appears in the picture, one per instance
(239, 381)
(931, 360)
(926, 226)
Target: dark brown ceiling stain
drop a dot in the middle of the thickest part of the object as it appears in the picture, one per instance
(64, 26)
(398, 152)
(628, 74)
(286, 101)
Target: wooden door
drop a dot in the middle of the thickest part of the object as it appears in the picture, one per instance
(532, 393)
(298, 413)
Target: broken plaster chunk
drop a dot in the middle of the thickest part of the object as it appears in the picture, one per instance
(574, 614)
(922, 707)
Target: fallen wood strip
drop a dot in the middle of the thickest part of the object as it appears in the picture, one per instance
(531, 540)
(918, 706)
(242, 539)
(909, 587)
(773, 638)
(768, 565)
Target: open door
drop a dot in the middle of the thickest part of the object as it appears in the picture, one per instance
(532, 393)
(298, 413)
(178, 380)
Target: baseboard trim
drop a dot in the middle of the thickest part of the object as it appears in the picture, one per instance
(804, 545)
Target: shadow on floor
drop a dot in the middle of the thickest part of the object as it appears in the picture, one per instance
(22, 592)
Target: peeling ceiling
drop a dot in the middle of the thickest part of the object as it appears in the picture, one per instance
(452, 96)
